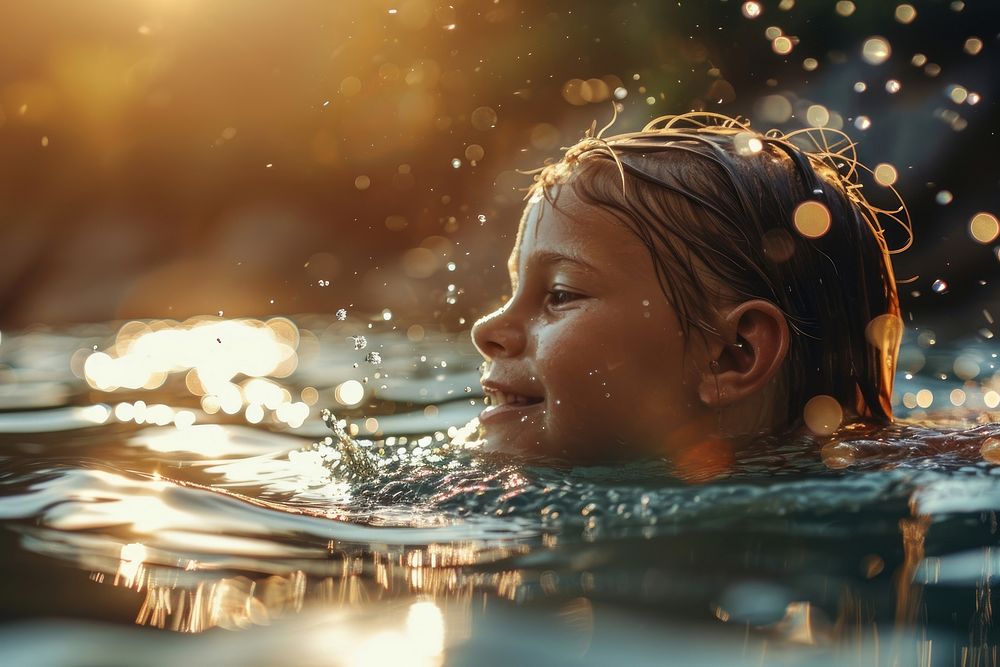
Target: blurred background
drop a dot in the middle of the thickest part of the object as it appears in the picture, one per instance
(170, 158)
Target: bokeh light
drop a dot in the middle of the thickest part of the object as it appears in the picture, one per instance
(811, 219)
(885, 174)
(211, 354)
(984, 227)
(751, 10)
(817, 115)
(876, 50)
(905, 13)
(844, 7)
(350, 393)
(782, 45)
(823, 415)
(973, 46)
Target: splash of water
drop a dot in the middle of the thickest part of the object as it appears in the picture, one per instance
(353, 457)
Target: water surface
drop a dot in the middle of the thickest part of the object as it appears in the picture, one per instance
(138, 509)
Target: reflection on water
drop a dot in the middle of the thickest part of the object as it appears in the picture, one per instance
(407, 545)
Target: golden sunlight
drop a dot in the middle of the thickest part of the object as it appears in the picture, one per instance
(212, 353)
(130, 568)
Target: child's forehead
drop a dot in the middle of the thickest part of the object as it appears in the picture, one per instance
(563, 224)
(560, 200)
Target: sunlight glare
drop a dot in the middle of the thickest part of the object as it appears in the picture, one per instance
(130, 568)
(211, 353)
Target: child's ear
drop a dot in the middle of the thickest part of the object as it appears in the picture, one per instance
(755, 343)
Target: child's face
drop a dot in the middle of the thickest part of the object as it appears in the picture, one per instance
(588, 343)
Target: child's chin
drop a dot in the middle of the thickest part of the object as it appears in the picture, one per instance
(533, 446)
(521, 442)
(571, 451)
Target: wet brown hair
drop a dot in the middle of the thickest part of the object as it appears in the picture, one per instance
(709, 197)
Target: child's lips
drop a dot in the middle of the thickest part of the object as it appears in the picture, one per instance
(497, 413)
(510, 399)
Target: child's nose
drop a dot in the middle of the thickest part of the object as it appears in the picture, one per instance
(498, 335)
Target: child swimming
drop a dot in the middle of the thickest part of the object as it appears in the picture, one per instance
(687, 289)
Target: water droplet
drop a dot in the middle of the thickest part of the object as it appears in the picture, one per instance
(751, 9)
(481, 218)
(341, 314)
(876, 50)
(860, 87)
(837, 455)
(944, 197)
(360, 342)
(893, 86)
(373, 358)
(862, 122)
(456, 163)
(620, 93)
(453, 293)
(939, 286)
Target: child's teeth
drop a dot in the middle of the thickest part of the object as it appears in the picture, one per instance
(499, 398)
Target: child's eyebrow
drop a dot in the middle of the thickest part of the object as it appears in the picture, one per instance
(547, 257)
(550, 257)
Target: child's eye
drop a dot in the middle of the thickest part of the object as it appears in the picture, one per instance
(561, 297)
